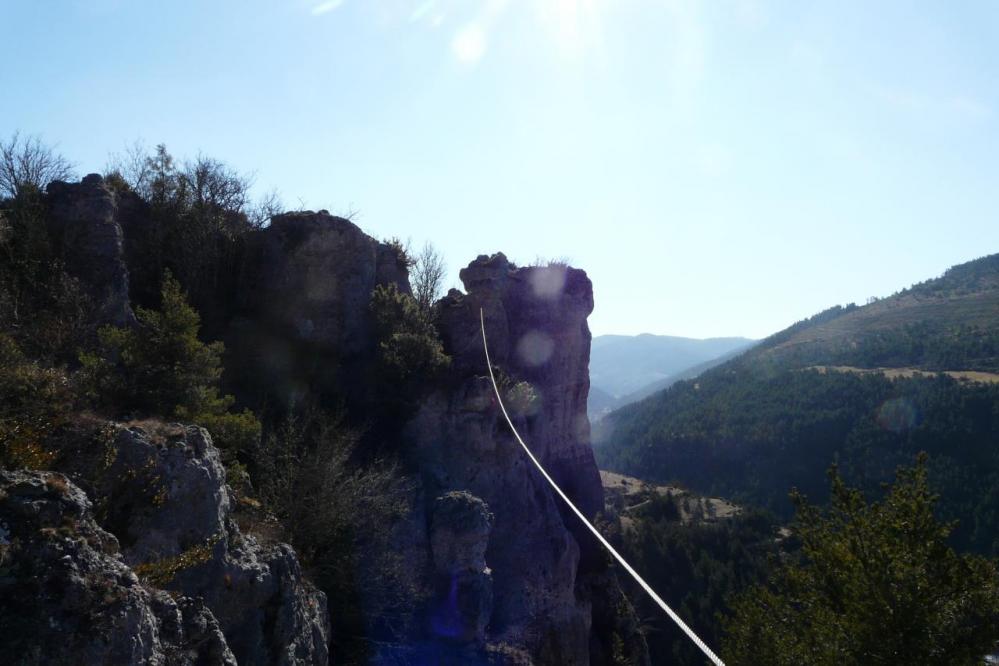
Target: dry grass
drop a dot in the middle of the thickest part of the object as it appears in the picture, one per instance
(895, 373)
(57, 484)
(628, 493)
(159, 432)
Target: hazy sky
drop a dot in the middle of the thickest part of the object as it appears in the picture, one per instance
(721, 168)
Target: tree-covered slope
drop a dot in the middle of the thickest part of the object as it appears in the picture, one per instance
(769, 420)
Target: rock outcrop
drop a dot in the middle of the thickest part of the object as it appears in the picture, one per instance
(168, 503)
(459, 534)
(312, 275)
(67, 598)
(304, 326)
(535, 318)
(87, 236)
(516, 578)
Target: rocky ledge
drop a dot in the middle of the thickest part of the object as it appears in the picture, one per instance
(66, 597)
(159, 573)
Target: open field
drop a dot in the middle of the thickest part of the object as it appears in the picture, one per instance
(892, 373)
(626, 494)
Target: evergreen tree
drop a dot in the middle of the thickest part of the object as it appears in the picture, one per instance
(877, 584)
(161, 368)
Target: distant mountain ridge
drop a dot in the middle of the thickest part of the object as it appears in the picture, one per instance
(864, 386)
(626, 368)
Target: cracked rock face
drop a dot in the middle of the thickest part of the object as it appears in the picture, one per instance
(169, 502)
(67, 598)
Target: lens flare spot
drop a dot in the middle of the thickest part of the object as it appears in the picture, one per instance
(898, 415)
(548, 281)
(535, 348)
(469, 44)
(446, 618)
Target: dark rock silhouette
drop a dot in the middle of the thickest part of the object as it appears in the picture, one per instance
(83, 222)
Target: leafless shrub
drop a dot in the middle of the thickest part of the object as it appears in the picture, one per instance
(26, 162)
(427, 276)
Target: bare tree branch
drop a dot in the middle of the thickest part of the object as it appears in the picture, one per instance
(25, 162)
(428, 276)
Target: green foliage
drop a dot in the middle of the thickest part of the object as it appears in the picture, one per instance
(162, 572)
(877, 584)
(34, 400)
(162, 368)
(410, 354)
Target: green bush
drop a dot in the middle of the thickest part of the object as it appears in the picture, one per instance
(162, 368)
(33, 402)
(878, 585)
(410, 354)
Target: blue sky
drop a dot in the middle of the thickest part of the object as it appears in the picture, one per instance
(721, 168)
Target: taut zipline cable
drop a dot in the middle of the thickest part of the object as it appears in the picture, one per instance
(634, 574)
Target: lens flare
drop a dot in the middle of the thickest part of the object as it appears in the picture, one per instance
(898, 415)
(535, 348)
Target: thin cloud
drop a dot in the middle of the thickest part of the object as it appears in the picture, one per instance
(326, 7)
(961, 106)
(970, 107)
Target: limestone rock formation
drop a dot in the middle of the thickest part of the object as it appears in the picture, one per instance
(535, 318)
(168, 502)
(66, 597)
(516, 578)
(83, 223)
(312, 274)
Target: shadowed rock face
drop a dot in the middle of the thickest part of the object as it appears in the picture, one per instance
(313, 275)
(535, 319)
(66, 597)
(305, 325)
(83, 220)
(459, 535)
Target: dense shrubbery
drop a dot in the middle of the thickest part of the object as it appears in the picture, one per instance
(195, 220)
(40, 305)
(339, 516)
(34, 401)
(410, 354)
(877, 584)
(162, 368)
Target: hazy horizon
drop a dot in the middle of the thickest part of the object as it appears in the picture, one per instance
(718, 170)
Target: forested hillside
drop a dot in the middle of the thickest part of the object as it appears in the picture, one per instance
(841, 388)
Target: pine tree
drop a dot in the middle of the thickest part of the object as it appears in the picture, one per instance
(877, 584)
